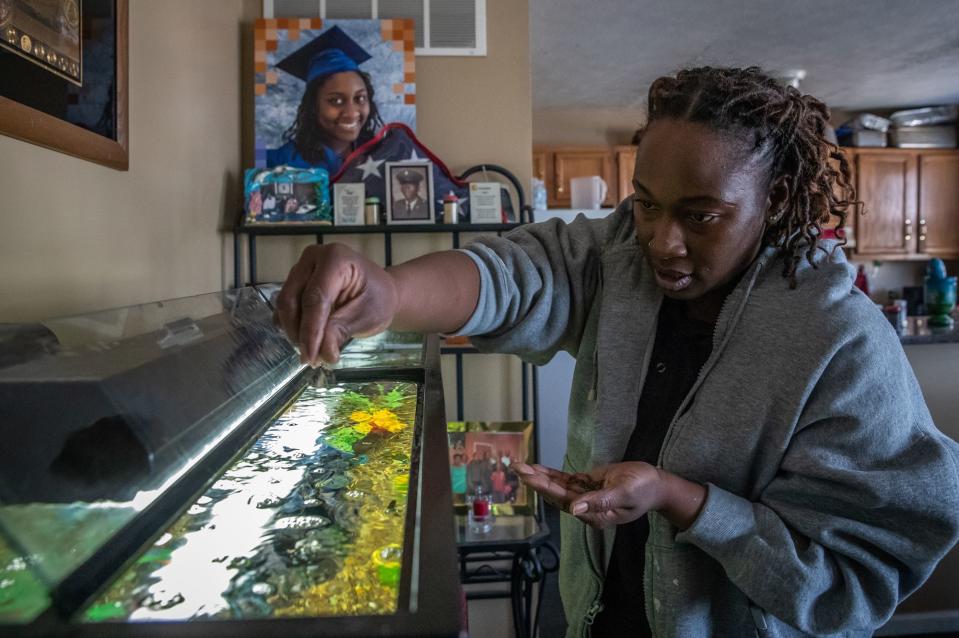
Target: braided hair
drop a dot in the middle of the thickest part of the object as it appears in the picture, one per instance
(308, 138)
(788, 132)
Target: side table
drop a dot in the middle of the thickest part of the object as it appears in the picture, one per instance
(523, 541)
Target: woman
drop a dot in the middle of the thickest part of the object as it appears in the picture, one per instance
(748, 449)
(337, 111)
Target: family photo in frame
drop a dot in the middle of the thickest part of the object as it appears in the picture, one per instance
(409, 192)
(481, 457)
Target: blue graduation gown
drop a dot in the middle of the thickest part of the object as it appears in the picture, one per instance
(287, 154)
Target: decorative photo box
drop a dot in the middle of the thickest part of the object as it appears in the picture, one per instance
(287, 195)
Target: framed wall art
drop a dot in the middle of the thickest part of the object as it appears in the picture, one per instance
(64, 74)
(307, 71)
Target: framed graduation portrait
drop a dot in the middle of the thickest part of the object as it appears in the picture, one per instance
(324, 87)
(409, 192)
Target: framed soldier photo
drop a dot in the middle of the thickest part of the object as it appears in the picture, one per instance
(409, 192)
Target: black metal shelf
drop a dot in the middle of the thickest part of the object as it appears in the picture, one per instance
(326, 229)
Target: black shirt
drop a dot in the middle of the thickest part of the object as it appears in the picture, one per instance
(681, 348)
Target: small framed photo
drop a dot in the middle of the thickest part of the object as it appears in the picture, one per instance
(409, 192)
(481, 455)
(287, 195)
(486, 203)
(348, 204)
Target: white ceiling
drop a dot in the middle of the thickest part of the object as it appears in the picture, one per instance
(858, 54)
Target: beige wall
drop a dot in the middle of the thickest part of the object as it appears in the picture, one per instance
(582, 126)
(75, 236)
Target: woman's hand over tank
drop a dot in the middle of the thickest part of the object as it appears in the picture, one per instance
(334, 293)
(331, 294)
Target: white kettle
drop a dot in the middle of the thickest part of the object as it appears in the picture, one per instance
(587, 192)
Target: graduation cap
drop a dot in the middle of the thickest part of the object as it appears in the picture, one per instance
(331, 52)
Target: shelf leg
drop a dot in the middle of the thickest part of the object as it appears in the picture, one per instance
(236, 259)
(459, 386)
(535, 374)
(252, 241)
(523, 373)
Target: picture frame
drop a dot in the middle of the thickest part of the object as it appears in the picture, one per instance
(480, 453)
(284, 52)
(409, 193)
(486, 204)
(348, 200)
(286, 195)
(21, 114)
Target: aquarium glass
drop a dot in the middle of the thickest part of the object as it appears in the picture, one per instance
(109, 409)
(308, 521)
(386, 350)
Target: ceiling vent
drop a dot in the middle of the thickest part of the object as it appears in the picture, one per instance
(443, 27)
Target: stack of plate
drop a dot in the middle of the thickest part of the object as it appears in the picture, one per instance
(929, 127)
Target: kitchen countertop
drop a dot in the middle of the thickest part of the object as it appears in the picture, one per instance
(919, 332)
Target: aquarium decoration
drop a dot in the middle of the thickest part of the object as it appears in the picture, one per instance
(22, 595)
(308, 521)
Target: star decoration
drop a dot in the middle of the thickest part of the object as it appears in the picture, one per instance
(370, 167)
(413, 156)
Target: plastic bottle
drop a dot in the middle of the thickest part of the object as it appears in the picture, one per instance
(451, 208)
(539, 194)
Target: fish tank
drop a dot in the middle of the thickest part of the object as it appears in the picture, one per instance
(177, 471)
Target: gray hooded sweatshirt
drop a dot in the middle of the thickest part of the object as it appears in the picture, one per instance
(831, 494)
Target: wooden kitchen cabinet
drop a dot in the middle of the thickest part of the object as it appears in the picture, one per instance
(886, 183)
(562, 163)
(625, 167)
(911, 203)
(539, 166)
(938, 230)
